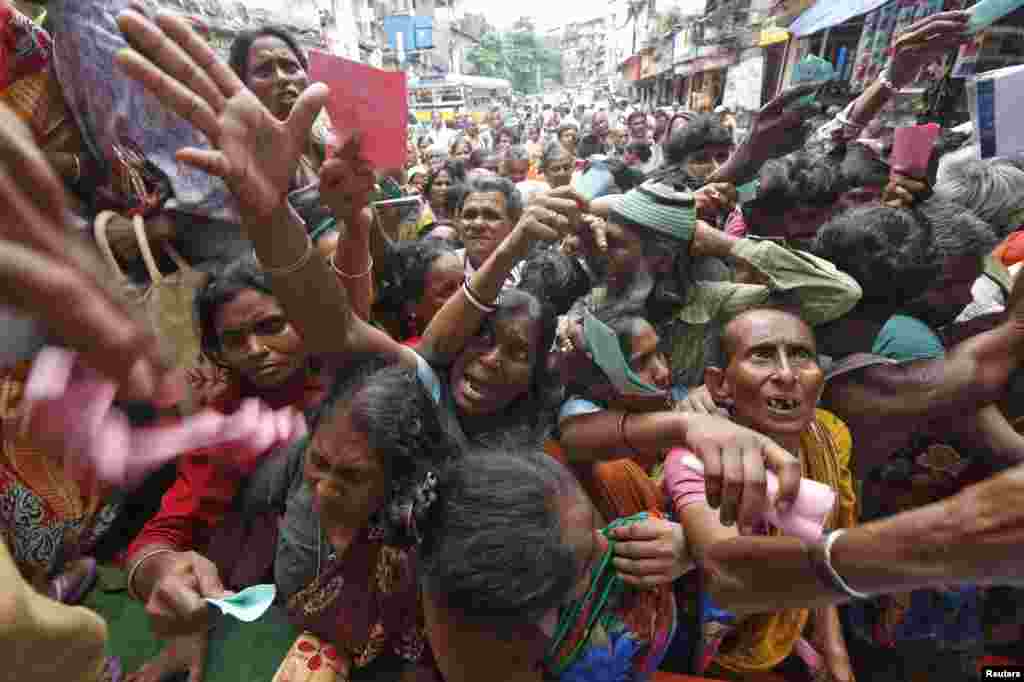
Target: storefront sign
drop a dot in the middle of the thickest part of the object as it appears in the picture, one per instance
(705, 64)
(743, 84)
(773, 35)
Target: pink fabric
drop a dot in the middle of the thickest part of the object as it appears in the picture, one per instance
(72, 411)
(684, 484)
(736, 226)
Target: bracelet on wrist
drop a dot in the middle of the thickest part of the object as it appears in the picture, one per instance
(623, 436)
(289, 269)
(475, 299)
(820, 555)
(342, 273)
(135, 568)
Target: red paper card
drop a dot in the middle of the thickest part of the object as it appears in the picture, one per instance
(912, 149)
(370, 100)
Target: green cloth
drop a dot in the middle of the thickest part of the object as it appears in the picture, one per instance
(906, 338)
(819, 290)
(603, 346)
(238, 651)
(660, 209)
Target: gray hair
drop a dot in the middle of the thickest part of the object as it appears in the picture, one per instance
(956, 232)
(485, 184)
(992, 189)
(553, 151)
(495, 548)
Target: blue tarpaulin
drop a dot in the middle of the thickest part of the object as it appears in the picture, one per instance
(829, 13)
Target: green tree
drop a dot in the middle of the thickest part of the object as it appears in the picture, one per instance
(518, 55)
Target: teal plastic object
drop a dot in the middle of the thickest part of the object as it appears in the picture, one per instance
(988, 12)
(249, 604)
(812, 69)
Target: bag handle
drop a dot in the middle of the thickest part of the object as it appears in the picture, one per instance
(147, 253)
(99, 230)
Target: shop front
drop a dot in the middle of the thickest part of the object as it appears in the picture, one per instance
(706, 76)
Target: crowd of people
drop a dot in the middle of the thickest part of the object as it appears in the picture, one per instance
(508, 353)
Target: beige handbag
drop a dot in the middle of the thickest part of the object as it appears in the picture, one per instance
(167, 301)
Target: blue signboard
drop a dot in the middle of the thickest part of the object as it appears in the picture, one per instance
(417, 32)
(828, 13)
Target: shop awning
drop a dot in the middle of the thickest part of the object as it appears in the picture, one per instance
(828, 13)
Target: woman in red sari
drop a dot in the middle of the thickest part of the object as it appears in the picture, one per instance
(256, 354)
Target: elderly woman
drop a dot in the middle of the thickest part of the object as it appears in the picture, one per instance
(769, 379)
(991, 189)
(568, 135)
(557, 164)
(559, 611)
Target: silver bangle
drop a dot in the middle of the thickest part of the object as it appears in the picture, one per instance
(837, 579)
(475, 302)
(131, 574)
(342, 273)
(288, 269)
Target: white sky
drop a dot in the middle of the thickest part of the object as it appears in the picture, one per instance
(546, 13)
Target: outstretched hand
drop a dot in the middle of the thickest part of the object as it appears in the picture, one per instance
(44, 275)
(735, 461)
(924, 41)
(346, 179)
(779, 128)
(251, 150)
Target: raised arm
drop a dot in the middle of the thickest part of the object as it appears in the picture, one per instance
(822, 291)
(256, 155)
(549, 217)
(345, 185)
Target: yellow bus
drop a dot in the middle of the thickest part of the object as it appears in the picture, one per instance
(452, 94)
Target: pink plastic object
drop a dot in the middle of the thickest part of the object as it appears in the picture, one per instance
(912, 149)
(72, 413)
(369, 100)
(806, 519)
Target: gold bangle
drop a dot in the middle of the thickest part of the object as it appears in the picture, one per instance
(131, 574)
(78, 169)
(289, 269)
(341, 273)
(622, 433)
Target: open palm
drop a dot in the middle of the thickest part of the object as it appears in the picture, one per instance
(255, 153)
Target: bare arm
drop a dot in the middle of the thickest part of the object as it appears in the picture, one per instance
(597, 437)
(316, 301)
(989, 429)
(973, 537)
(548, 217)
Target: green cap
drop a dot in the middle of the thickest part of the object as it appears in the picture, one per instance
(604, 348)
(659, 208)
